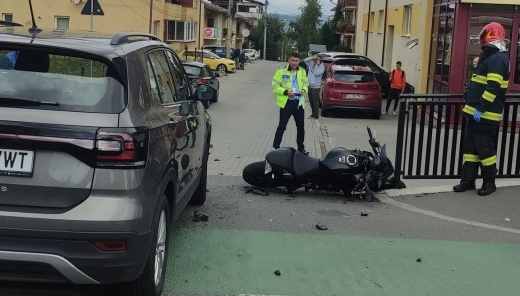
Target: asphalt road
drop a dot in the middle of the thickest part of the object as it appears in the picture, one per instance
(434, 244)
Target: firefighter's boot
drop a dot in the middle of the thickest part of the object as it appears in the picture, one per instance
(464, 185)
(488, 187)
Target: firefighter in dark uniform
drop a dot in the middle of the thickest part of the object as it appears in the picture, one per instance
(485, 99)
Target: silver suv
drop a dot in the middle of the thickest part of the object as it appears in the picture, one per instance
(103, 142)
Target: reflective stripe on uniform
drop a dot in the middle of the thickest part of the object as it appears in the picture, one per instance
(489, 161)
(495, 77)
(479, 79)
(486, 115)
(488, 96)
(491, 77)
(471, 157)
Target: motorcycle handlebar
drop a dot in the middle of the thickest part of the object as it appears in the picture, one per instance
(370, 133)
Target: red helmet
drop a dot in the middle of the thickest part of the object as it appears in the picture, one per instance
(492, 32)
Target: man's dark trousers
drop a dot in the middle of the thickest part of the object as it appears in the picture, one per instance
(393, 94)
(314, 100)
(479, 150)
(291, 109)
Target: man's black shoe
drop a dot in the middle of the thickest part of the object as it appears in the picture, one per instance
(488, 187)
(464, 185)
(303, 151)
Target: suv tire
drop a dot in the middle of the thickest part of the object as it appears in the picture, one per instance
(147, 284)
(199, 196)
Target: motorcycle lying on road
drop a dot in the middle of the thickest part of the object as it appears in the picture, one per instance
(350, 171)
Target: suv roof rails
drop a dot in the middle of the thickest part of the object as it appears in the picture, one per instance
(122, 37)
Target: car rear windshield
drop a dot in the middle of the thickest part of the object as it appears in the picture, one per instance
(352, 76)
(72, 82)
(192, 70)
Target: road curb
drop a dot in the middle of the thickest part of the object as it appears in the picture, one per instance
(442, 189)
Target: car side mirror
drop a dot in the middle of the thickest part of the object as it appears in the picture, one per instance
(205, 93)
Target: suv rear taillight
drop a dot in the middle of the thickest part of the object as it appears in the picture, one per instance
(121, 149)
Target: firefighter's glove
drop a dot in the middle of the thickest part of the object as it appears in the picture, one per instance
(477, 115)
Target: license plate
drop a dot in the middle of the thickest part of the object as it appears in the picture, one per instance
(354, 96)
(268, 168)
(16, 163)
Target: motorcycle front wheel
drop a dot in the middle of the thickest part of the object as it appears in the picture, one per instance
(254, 174)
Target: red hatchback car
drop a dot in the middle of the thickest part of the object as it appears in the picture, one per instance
(347, 87)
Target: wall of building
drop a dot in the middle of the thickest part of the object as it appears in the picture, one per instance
(132, 15)
(411, 49)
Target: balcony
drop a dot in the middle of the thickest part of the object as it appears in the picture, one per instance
(349, 5)
(346, 28)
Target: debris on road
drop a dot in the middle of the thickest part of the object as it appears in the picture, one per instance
(418, 260)
(256, 190)
(364, 213)
(277, 272)
(198, 217)
(216, 159)
(320, 226)
(508, 220)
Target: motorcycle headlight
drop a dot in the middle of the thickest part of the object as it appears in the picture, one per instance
(268, 168)
(352, 160)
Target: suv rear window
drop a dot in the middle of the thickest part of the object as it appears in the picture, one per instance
(75, 83)
(352, 76)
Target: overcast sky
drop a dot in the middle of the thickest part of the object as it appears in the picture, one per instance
(291, 6)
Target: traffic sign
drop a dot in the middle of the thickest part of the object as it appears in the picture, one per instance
(97, 8)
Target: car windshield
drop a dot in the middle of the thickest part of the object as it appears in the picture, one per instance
(73, 83)
(354, 76)
(192, 70)
(213, 55)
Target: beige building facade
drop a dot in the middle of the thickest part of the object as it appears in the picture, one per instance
(180, 24)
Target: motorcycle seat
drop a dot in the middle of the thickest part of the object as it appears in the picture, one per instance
(305, 166)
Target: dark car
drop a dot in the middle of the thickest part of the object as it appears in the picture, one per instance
(201, 74)
(381, 74)
(351, 87)
(105, 142)
(216, 49)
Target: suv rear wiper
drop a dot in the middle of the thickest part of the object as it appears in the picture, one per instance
(11, 101)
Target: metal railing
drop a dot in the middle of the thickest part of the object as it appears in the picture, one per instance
(430, 132)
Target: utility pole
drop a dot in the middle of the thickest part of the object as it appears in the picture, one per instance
(92, 16)
(265, 27)
(151, 14)
(229, 25)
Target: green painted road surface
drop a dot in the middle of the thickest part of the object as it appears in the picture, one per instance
(232, 262)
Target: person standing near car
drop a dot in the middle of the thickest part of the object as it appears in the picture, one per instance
(315, 71)
(397, 85)
(290, 84)
(9, 60)
(485, 100)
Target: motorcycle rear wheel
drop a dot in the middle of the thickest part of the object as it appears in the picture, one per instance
(254, 174)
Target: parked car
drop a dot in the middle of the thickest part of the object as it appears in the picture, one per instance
(201, 74)
(349, 87)
(382, 74)
(216, 49)
(333, 54)
(251, 54)
(105, 142)
(215, 62)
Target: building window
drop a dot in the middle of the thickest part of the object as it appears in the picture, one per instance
(156, 26)
(407, 20)
(381, 19)
(181, 31)
(62, 22)
(372, 16)
(211, 23)
(7, 17)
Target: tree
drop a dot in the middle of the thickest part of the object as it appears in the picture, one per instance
(306, 26)
(274, 36)
(328, 35)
